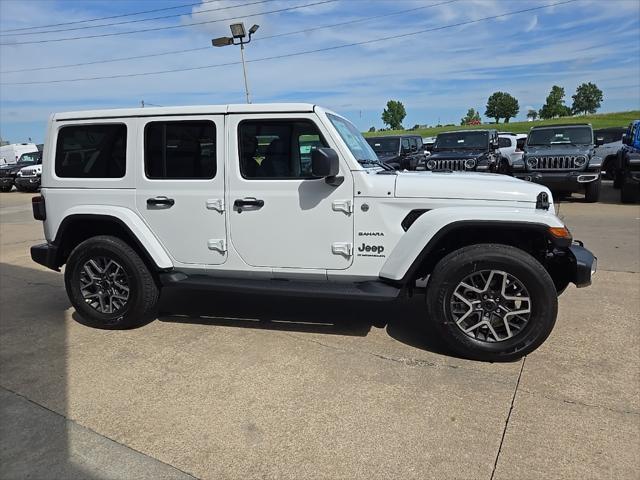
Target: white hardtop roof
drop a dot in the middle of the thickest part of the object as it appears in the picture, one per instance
(187, 110)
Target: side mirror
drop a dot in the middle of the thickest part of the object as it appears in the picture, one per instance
(324, 163)
(599, 141)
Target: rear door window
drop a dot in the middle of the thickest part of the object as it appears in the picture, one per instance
(91, 151)
(504, 142)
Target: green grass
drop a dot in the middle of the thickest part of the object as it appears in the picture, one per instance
(600, 120)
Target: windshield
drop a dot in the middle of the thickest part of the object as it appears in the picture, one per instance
(454, 140)
(384, 145)
(354, 140)
(561, 136)
(29, 158)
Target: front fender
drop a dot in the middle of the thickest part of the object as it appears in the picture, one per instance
(415, 244)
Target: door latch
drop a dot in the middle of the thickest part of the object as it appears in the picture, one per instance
(215, 204)
(345, 206)
(219, 245)
(344, 249)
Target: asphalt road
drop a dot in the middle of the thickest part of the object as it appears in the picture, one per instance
(232, 387)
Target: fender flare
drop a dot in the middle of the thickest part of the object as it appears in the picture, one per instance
(125, 218)
(423, 235)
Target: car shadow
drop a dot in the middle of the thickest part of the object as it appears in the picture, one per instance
(404, 320)
(608, 195)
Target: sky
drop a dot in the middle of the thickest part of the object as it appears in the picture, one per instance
(438, 57)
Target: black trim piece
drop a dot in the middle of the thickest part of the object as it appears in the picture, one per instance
(542, 201)
(584, 265)
(46, 254)
(411, 217)
(371, 290)
(470, 224)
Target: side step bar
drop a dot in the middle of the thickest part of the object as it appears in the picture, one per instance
(371, 290)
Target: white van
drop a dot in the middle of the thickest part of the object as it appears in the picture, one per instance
(12, 153)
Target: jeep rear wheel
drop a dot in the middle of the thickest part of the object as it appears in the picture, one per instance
(629, 191)
(109, 285)
(492, 302)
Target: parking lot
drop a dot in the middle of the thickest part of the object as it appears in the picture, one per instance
(224, 386)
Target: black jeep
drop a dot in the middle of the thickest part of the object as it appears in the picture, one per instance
(9, 171)
(563, 158)
(402, 152)
(473, 150)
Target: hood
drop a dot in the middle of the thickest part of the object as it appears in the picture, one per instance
(457, 154)
(468, 186)
(558, 150)
(11, 168)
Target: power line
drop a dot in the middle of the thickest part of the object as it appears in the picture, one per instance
(138, 20)
(169, 27)
(297, 54)
(113, 16)
(277, 35)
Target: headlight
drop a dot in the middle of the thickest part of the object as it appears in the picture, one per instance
(532, 162)
(19, 174)
(431, 164)
(580, 161)
(470, 163)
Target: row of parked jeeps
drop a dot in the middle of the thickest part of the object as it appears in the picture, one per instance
(565, 158)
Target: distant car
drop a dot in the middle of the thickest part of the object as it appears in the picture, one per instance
(28, 178)
(611, 142)
(12, 153)
(471, 150)
(511, 150)
(9, 172)
(627, 172)
(402, 152)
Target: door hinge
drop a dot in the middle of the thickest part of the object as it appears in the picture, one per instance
(344, 249)
(215, 204)
(219, 245)
(345, 206)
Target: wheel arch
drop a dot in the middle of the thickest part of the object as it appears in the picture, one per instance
(78, 227)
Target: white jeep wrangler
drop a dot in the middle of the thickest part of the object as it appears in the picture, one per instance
(289, 199)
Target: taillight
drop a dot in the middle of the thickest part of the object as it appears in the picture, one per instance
(37, 205)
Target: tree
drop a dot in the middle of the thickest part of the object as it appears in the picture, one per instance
(554, 106)
(372, 129)
(394, 114)
(471, 118)
(532, 114)
(502, 105)
(587, 98)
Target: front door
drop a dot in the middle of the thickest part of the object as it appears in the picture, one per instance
(180, 191)
(279, 216)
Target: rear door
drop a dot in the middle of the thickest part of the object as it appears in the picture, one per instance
(180, 188)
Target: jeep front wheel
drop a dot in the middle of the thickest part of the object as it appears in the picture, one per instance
(492, 302)
(592, 191)
(109, 285)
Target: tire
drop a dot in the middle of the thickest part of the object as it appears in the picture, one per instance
(6, 189)
(19, 189)
(142, 294)
(504, 168)
(592, 191)
(617, 180)
(476, 261)
(629, 192)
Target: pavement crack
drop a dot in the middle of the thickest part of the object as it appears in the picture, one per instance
(581, 404)
(506, 423)
(27, 399)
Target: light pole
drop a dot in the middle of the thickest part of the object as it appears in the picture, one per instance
(238, 35)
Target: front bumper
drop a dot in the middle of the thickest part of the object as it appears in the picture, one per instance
(28, 183)
(584, 265)
(572, 181)
(46, 254)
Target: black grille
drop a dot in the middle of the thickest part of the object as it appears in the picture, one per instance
(448, 165)
(557, 162)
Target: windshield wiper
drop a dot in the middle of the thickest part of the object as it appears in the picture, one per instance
(375, 162)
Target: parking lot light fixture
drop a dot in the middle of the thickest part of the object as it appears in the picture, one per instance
(238, 33)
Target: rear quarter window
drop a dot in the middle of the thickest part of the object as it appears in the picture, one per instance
(91, 151)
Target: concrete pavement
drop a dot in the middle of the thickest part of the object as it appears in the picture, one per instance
(223, 387)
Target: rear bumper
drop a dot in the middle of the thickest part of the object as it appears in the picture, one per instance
(46, 254)
(572, 181)
(584, 267)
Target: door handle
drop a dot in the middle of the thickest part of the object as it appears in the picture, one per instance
(160, 202)
(241, 203)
